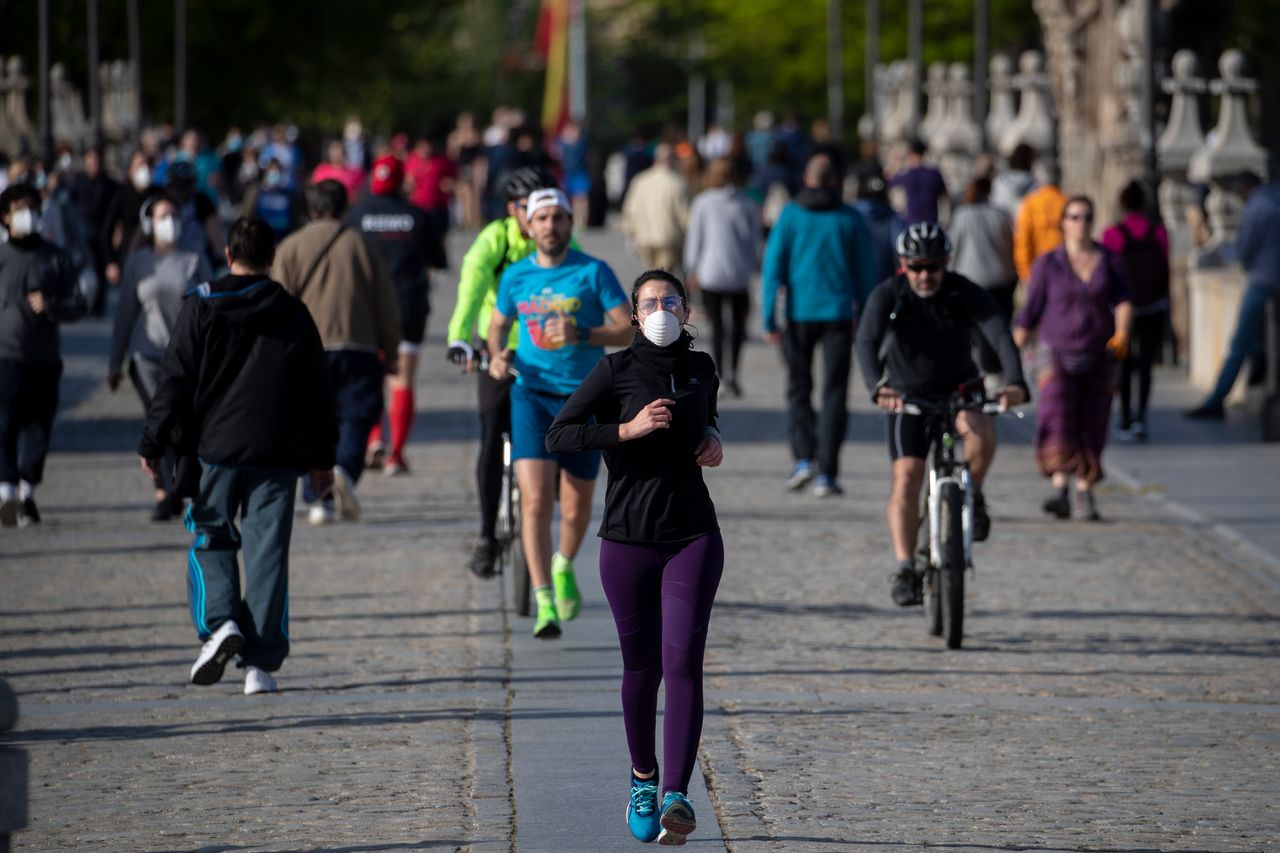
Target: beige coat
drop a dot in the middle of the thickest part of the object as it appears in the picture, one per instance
(655, 213)
(350, 296)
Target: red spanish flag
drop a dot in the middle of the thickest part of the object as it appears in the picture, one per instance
(553, 44)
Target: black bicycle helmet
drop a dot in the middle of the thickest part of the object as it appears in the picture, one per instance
(525, 180)
(923, 241)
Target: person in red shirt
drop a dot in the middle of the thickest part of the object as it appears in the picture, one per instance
(335, 168)
(432, 176)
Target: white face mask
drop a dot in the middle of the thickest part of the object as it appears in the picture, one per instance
(23, 223)
(141, 178)
(661, 328)
(167, 230)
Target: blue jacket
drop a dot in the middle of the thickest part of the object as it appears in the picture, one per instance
(885, 226)
(1258, 240)
(820, 251)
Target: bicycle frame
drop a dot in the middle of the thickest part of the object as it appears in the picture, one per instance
(945, 468)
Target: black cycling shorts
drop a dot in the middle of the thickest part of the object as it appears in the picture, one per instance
(908, 435)
(415, 304)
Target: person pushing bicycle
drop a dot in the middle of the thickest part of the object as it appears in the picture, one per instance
(915, 342)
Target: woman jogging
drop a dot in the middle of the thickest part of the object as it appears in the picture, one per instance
(652, 409)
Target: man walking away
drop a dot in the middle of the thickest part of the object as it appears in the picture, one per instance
(345, 285)
(409, 244)
(820, 253)
(244, 389)
(655, 212)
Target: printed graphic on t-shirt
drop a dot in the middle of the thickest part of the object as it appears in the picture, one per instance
(547, 305)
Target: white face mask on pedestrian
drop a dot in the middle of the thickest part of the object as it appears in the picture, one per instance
(167, 230)
(141, 178)
(661, 328)
(23, 223)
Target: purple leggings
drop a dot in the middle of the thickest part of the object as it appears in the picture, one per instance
(661, 597)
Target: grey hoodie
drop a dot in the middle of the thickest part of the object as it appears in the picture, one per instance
(724, 242)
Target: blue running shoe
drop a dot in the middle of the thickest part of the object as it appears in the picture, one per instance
(642, 809)
(677, 820)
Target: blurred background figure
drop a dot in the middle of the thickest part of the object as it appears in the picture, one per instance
(722, 253)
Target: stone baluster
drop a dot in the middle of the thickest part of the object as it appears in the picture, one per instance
(891, 129)
(15, 106)
(960, 138)
(1181, 138)
(1215, 280)
(871, 125)
(1034, 122)
(935, 114)
(8, 140)
(1229, 151)
(1003, 110)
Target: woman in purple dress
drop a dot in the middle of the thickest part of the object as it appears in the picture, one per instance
(1078, 307)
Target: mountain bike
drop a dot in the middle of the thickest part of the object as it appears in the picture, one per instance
(946, 516)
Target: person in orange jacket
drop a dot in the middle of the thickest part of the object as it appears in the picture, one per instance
(1037, 228)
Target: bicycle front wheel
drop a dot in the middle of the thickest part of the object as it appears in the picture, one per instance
(950, 586)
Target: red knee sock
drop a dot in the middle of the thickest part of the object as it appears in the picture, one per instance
(401, 418)
(375, 434)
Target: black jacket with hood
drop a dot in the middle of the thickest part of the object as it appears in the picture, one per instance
(245, 381)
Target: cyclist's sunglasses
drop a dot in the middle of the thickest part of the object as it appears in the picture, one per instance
(932, 266)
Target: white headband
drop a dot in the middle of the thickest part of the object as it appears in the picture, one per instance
(539, 199)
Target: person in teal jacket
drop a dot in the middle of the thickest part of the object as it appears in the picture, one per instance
(820, 253)
(499, 244)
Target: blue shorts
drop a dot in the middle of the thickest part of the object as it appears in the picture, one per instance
(531, 415)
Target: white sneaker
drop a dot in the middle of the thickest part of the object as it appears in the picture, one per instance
(320, 514)
(345, 492)
(225, 644)
(258, 681)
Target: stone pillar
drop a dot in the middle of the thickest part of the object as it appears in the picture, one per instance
(871, 124)
(1181, 138)
(1230, 151)
(959, 138)
(901, 119)
(1216, 280)
(67, 109)
(13, 772)
(15, 106)
(8, 140)
(1004, 108)
(936, 111)
(1034, 123)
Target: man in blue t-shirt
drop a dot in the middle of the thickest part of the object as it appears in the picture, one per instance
(569, 307)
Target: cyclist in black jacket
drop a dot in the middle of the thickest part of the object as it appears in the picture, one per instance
(652, 409)
(245, 387)
(915, 341)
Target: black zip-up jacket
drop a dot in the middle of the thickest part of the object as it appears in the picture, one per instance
(245, 381)
(29, 265)
(924, 347)
(656, 494)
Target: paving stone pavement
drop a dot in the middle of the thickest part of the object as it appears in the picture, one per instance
(1119, 689)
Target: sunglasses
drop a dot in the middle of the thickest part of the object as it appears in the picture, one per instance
(650, 304)
(931, 267)
(1079, 217)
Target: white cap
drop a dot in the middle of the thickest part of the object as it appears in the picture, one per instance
(539, 199)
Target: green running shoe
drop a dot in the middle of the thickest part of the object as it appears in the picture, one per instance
(547, 625)
(568, 599)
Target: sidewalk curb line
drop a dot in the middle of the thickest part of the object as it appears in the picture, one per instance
(1267, 574)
